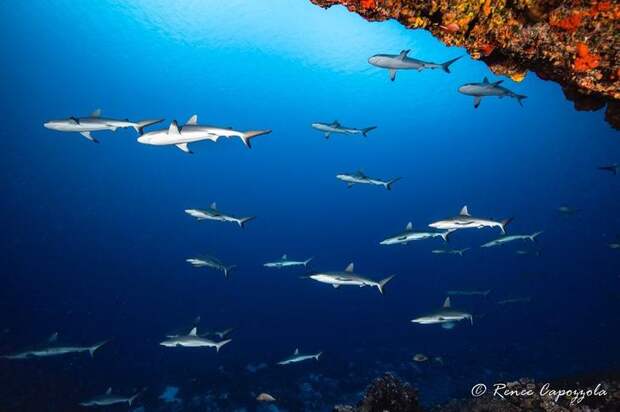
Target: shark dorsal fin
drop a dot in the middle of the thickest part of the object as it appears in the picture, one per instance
(296, 351)
(335, 123)
(349, 269)
(361, 173)
(214, 206)
(464, 211)
(96, 113)
(109, 391)
(485, 80)
(446, 303)
(174, 128)
(409, 227)
(192, 120)
(193, 331)
(284, 257)
(497, 83)
(403, 54)
(53, 338)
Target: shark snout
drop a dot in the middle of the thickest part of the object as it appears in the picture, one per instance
(143, 139)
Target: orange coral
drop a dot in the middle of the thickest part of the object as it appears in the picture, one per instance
(487, 7)
(585, 60)
(569, 23)
(487, 49)
(367, 4)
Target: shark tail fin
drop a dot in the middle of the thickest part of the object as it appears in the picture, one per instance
(471, 319)
(505, 223)
(445, 235)
(307, 261)
(533, 236)
(228, 269)
(139, 126)
(520, 98)
(461, 252)
(318, 355)
(247, 136)
(242, 221)
(446, 66)
(368, 129)
(219, 345)
(133, 398)
(388, 184)
(381, 284)
(94, 348)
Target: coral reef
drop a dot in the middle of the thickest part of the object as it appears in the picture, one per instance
(575, 43)
(386, 393)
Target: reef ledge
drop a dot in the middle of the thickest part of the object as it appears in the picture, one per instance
(574, 43)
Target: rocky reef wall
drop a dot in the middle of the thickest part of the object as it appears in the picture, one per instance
(574, 43)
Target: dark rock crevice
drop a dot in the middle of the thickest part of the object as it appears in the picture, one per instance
(574, 43)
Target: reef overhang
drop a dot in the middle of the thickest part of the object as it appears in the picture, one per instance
(574, 43)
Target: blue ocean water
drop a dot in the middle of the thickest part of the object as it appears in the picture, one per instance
(95, 237)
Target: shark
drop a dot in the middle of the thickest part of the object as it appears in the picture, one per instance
(213, 214)
(613, 168)
(108, 398)
(567, 210)
(193, 340)
(486, 89)
(410, 235)
(211, 262)
(336, 127)
(348, 278)
(459, 252)
(193, 132)
(446, 316)
(95, 123)
(52, 348)
(285, 262)
(506, 239)
(402, 61)
(299, 357)
(360, 178)
(465, 221)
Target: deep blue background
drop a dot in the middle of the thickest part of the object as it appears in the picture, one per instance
(94, 236)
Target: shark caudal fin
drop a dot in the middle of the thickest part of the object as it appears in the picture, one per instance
(445, 235)
(461, 252)
(139, 126)
(242, 221)
(446, 66)
(520, 98)
(219, 345)
(307, 261)
(533, 236)
(318, 355)
(133, 398)
(228, 269)
(381, 284)
(93, 348)
(388, 184)
(503, 225)
(368, 129)
(246, 136)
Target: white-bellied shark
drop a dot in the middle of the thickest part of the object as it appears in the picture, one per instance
(108, 399)
(507, 239)
(299, 357)
(336, 127)
(213, 214)
(402, 61)
(193, 340)
(348, 278)
(360, 178)
(192, 132)
(446, 316)
(211, 262)
(52, 348)
(466, 221)
(96, 123)
(285, 262)
(410, 235)
(459, 252)
(486, 89)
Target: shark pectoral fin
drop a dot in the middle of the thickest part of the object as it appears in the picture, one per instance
(477, 100)
(392, 73)
(336, 286)
(184, 147)
(89, 137)
(327, 134)
(349, 185)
